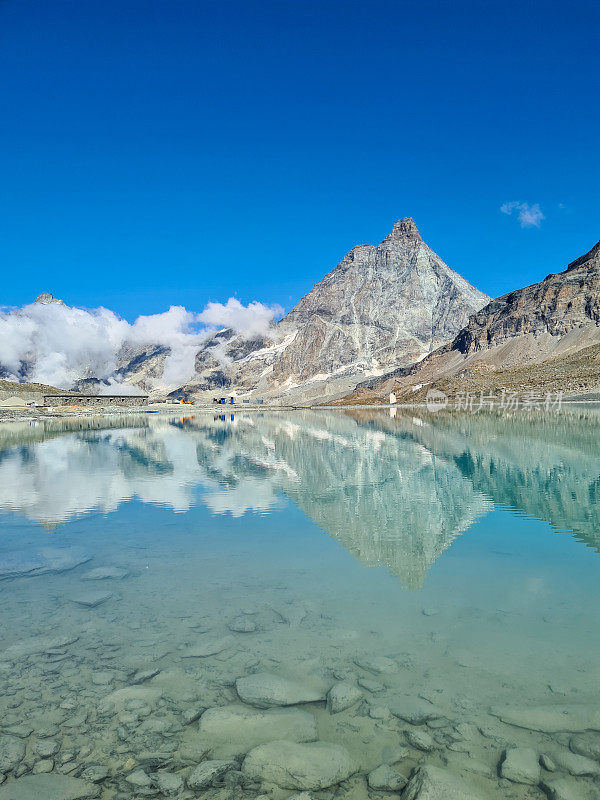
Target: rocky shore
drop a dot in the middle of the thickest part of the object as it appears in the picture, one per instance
(103, 703)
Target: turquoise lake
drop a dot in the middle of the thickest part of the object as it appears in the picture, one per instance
(424, 587)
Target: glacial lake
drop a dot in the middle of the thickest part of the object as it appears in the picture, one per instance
(411, 588)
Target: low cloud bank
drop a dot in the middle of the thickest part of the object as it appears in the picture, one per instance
(49, 342)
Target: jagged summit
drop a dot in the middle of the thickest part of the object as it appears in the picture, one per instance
(386, 304)
(45, 298)
(404, 229)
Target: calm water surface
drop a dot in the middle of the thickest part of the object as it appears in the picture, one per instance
(444, 568)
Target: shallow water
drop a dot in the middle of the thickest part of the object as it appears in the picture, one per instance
(438, 562)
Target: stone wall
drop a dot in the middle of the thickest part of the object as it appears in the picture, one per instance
(100, 400)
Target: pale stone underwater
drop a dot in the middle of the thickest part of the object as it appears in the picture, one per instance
(175, 622)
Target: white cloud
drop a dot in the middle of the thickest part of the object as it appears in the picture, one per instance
(529, 215)
(60, 344)
(252, 320)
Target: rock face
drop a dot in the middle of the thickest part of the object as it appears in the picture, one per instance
(553, 307)
(546, 323)
(45, 298)
(380, 307)
(299, 766)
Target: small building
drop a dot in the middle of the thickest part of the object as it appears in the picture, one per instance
(13, 402)
(99, 400)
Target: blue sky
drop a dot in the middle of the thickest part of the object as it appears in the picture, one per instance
(173, 152)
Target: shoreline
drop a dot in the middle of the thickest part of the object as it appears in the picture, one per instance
(40, 414)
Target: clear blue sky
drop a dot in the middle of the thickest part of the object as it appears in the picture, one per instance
(173, 151)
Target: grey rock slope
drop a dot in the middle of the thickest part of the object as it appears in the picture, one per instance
(549, 325)
(381, 307)
(387, 304)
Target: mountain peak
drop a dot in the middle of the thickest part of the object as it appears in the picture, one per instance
(591, 256)
(405, 229)
(45, 298)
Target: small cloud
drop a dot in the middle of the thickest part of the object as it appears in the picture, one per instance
(529, 216)
(565, 208)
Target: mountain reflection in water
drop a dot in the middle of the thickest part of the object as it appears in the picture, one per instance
(395, 491)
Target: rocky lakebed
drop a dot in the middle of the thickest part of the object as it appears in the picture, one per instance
(199, 652)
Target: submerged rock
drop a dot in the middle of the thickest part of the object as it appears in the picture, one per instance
(385, 778)
(552, 719)
(379, 665)
(35, 645)
(420, 740)
(209, 647)
(563, 789)
(547, 763)
(45, 765)
(167, 782)
(464, 761)
(21, 563)
(192, 713)
(243, 625)
(208, 772)
(290, 765)
(49, 786)
(105, 573)
(95, 773)
(371, 685)
(45, 748)
(245, 727)
(342, 696)
(264, 690)
(139, 779)
(12, 752)
(21, 730)
(433, 783)
(120, 698)
(521, 765)
(91, 599)
(586, 744)
(143, 675)
(575, 764)
(412, 709)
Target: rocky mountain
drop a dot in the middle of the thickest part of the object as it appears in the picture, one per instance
(544, 333)
(45, 299)
(380, 307)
